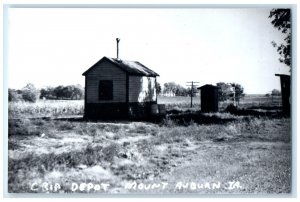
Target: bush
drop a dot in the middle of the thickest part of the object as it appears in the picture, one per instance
(14, 95)
(22, 127)
(231, 108)
(276, 92)
(29, 93)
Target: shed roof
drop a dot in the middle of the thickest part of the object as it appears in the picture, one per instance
(208, 86)
(283, 75)
(131, 67)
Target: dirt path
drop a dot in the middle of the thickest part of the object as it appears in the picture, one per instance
(226, 169)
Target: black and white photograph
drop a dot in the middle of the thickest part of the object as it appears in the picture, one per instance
(149, 100)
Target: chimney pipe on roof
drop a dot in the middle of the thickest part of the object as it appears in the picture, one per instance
(118, 40)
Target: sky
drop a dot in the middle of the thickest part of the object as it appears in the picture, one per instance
(54, 46)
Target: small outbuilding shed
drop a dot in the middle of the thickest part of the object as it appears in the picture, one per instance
(209, 98)
(285, 81)
(119, 89)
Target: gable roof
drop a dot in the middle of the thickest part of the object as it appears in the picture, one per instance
(131, 67)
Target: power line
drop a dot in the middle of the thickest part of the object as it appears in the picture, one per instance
(192, 90)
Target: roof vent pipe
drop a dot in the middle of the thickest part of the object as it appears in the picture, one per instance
(118, 40)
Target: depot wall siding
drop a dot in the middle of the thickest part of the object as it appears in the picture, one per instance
(105, 71)
(142, 89)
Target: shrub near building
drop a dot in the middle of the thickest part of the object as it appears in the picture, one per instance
(29, 94)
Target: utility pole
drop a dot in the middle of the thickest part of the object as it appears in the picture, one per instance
(192, 84)
(234, 104)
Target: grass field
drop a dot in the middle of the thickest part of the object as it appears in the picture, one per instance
(45, 108)
(246, 154)
(246, 102)
(55, 108)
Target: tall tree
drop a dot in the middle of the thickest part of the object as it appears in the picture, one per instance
(230, 91)
(224, 91)
(47, 93)
(238, 90)
(170, 88)
(281, 20)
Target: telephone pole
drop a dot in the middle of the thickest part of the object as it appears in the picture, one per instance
(234, 104)
(192, 84)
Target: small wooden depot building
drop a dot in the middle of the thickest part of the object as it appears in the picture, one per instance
(119, 89)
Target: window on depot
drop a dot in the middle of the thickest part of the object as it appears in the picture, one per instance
(105, 90)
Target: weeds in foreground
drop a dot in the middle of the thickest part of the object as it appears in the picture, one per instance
(243, 129)
(120, 152)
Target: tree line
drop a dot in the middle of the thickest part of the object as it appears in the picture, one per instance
(174, 89)
(227, 91)
(30, 93)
